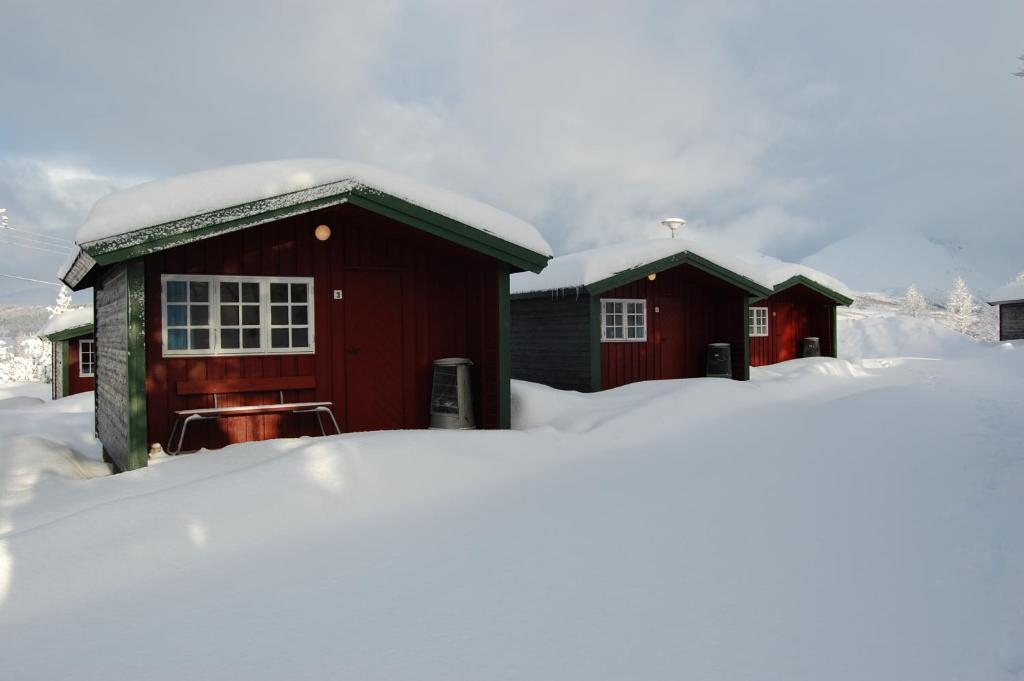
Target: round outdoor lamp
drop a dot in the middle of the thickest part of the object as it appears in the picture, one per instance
(322, 232)
(652, 276)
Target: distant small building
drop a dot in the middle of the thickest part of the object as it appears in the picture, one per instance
(1010, 299)
(634, 311)
(74, 351)
(802, 305)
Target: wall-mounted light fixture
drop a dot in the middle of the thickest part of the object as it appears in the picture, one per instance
(652, 276)
(322, 232)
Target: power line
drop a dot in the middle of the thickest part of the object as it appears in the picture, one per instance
(36, 242)
(38, 281)
(37, 235)
(37, 248)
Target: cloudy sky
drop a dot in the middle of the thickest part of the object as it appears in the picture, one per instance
(780, 125)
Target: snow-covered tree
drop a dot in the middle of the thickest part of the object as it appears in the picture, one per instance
(1019, 277)
(961, 310)
(63, 303)
(914, 303)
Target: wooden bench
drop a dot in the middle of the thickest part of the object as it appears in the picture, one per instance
(227, 386)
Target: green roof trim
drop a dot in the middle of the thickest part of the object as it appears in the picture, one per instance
(684, 258)
(74, 332)
(143, 241)
(801, 280)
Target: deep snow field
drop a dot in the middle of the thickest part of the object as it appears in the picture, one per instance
(830, 519)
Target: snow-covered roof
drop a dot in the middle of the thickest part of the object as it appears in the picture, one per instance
(187, 196)
(65, 321)
(597, 264)
(1010, 293)
(779, 272)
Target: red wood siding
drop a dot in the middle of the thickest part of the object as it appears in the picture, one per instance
(446, 298)
(686, 310)
(76, 383)
(793, 315)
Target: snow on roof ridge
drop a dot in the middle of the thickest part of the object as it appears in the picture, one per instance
(575, 270)
(780, 271)
(185, 196)
(69, 319)
(1007, 293)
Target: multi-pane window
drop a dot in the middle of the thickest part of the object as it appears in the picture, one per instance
(289, 315)
(759, 321)
(224, 315)
(623, 320)
(86, 357)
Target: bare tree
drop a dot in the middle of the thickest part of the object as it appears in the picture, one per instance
(1020, 74)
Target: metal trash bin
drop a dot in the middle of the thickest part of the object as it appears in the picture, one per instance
(719, 360)
(451, 396)
(811, 347)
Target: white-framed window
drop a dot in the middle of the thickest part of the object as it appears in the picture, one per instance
(86, 357)
(758, 321)
(234, 315)
(623, 320)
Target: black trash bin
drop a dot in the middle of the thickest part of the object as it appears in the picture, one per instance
(812, 347)
(719, 360)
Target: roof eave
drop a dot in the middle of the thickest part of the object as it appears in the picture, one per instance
(148, 240)
(674, 260)
(73, 332)
(800, 279)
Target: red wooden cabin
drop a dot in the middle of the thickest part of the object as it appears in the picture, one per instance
(343, 291)
(799, 308)
(630, 312)
(73, 352)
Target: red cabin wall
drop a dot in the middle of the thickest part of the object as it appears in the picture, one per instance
(793, 314)
(77, 384)
(448, 299)
(687, 309)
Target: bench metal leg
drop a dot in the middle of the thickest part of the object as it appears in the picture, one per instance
(331, 414)
(184, 427)
(170, 438)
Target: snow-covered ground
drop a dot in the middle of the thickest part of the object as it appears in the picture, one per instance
(829, 519)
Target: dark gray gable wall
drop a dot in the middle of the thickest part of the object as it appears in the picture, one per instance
(1011, 321)
(111, 296)
(551, 340)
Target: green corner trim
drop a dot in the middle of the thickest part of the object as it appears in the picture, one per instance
(83, 330)
(65, 369)
(746, 338)
(595, 344)
(138, 449)
(835, 332)
(684, 258)
(800, 279)
(504, 349)
(234, 218)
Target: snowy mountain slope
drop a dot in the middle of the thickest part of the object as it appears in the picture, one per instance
(875, 260)
(860, 525)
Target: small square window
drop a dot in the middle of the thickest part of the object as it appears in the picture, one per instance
(229, 292)
(279, 293)
(624, 320)
(229, 338)
(198, 291)
(279, 338)
(250, 292)
(251, 315)
(176, 291)
(229, 315)
(758, 317)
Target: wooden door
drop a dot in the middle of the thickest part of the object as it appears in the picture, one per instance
(671, 348)
(373, 350)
